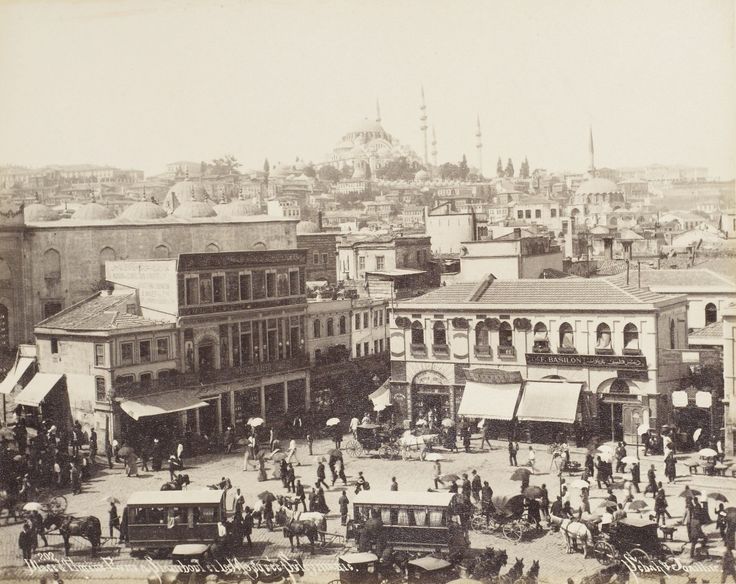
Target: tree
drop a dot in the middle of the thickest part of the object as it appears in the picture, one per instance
(368, 172)
(266, 166)
(203, 168)
(309, 171)
(464, 170)
(225, 165)
(524, 169)
(449, 171)
(399, 169)
(329, 174)
(499, 168)
(510, 169)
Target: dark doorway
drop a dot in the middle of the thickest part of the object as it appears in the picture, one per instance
(206, 354)
(610, 420)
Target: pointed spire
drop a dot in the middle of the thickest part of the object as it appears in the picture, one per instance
(378, 111)
(591, 151)
(423, 126)
(479, 145)
(434, 147)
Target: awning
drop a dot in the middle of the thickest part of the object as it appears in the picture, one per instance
(160, 403)
(37, 389)
(496, 401)
(549, 401)
(14, 375)
(381, 398)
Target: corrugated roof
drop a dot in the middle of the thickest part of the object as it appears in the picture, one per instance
(535, 292)
(100, 312)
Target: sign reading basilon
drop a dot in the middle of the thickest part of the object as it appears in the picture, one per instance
(600, 361)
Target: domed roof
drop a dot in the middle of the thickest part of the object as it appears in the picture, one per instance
(597, 186)
(366, 126)
(143, 211)
(281, 170)
(189, 190)
(194, 210)
(237, 208)
(39, 212)
(93, 212)
(306, 227)
(421, 176)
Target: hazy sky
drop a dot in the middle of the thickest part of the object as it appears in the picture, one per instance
(143, 83)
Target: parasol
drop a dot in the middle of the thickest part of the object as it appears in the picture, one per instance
(125, 451)
(697, 434)
(266, 496)
(718, 497)
(707, 453)
(630, 460)
(332, 422)
(279, 456)
(691, 493)
(335, 452)
(33, 507)
(580, 484)
(448, 423)
(591, 517)
(449, 478)
(420, 422)
(521, 474)
(433, 456)
(638, 505)
(533, 492)
(608, 505)
(604, 448)
(255, 422)
(111, 499)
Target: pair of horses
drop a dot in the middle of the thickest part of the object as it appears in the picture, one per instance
(575, 533)
(306, 524)
(87, 527)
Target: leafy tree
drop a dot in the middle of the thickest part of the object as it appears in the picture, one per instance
(346, 172)
(329, 174)
(449, 171)
(225, 165)
(464, 170)
(368, 172)
(499, 167)
(203, 166)
(309, 171)
(399, 169)
(524, 169)
(510, 169)
(266, 166)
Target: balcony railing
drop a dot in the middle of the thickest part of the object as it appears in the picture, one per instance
(441, 350)
(541, 348)
(418, 349)
(607, 351)
(567, 350)
(506, 352)
(483, 351)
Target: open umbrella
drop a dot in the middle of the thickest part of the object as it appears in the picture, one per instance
(718, 497)
(604, 448)
(533, 492)
(111, 499)
(420, 422)
(630, 459)
(278, 456)
(335, 452)
(608, 505)
(638, 505)
(642, 429)
(125, 451)
(332, 422)
(697, 434)
(580, 484)
(33, 507)
(591, 517)
(449, 478)
(691, 493)
(707, 453)
(266, 496)
(448, 423)
(255, 422)
(433, 456)
(521, 474)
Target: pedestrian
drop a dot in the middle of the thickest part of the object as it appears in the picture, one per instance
(38, 528)
(247, 525)
(652, 478)
(354, 423)
(172, 468)
(321, 473)
(556, 509)
(635, 476)
(695, 534)
(290, 477)
(343, 504)
(332, 462)
(544, 505)
(57, 473)
(300, 495)
(291, 457)
(131, 463)
(284, 472)
(600, 474)
(25, 541)
(92, 445)
(341, 471)
(228, 440)
(114, 519)
(531, 459)
(670, 467)
(438, 475)
(524, 481)
(584, 500)
(589, 464)
(268, 513)
(360, 483)
(476, 485)
(145, 454)
(486, 494)
(310, 442)
(486, 435)
(250, 453)
(180, 455)
(75, 479)
(466, 439)
(620, 454)
(512, 453)
(728, 567)
(394, 484)
(321, 502)
(337, 436)
(533, 512)
(108, 453)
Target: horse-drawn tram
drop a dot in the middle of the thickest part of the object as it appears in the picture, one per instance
(404, 520)
(161, 520)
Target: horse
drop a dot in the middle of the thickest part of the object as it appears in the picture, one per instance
(575, 532)
(296, 529)
(488, 564)
(223, 485)
(532, 576)
(87, 527)
(284, 515)
(178, 484)
(514, 574)
(10, 502)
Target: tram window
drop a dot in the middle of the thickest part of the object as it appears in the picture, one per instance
(436, 518)
(155, 515)
(178, 514)
(137, 516)
(420, 517)
(204, 515)
(405, 517)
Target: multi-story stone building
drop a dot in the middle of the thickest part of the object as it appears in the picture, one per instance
(587, 350)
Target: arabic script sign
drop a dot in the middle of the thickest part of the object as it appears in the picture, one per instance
(600, 361)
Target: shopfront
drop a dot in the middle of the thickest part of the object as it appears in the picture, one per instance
(622, 408)
(431, 392)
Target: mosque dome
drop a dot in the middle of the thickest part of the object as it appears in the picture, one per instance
(598, 186)
(421, 176)
(143, 211)
(366, 126)
(93, 212)
(189, 190)
(306, 227)
(237, 208)
(194, 210)
(36, 212)
(281, 170)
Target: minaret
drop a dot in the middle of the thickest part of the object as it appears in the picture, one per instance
(378, 111)
(479, 146)
(434, 148)
(591, 151)
(423, 127)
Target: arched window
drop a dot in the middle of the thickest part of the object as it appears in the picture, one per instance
(505, 335)
(603, 338)
(541, 338)
(343, 325)
(439, 333)
(330, 327)
(711, 313)
(161, 251)
(212, 248)
(631, 338)
(106, 255)
(417, 333)
(482, 335)
(317, 328)
(51, 265)
(567, 338)
(672, 334)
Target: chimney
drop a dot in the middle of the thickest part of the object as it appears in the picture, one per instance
(517, 232)
(482, 287)
(319, 220)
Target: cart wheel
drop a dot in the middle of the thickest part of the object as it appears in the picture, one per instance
(478, 523)
(384, 451)
(604, 552)
(353, 448)
(512, 531)
(641, 555)
(665, 551)
(57, 504)
(394, 451)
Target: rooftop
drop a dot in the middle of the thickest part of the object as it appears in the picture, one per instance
(542, 293)
(713, 330)
(678, 280)
(101, 312)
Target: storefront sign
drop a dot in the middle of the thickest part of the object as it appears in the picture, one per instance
(633, 374)
(595, 361)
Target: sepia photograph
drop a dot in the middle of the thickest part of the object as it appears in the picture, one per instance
(368, 292)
